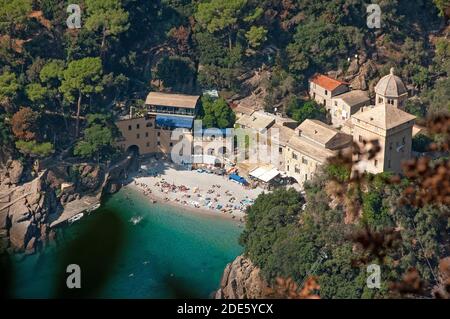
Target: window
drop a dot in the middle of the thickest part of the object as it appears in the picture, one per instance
(149, 124)
(158, 143)
(159, 134)
(294, 156)
(138, 126)
(280, 150)
(375, 163)
(403, 140)
(148, 144)
(129, 127)
(138, 136)
(146, 134)
(171, 144)
(326, 92)
(304, 160)
(360, 139)
(390, 146)
(297, 170)
(335, 103)
(380, 100)
(306, 177)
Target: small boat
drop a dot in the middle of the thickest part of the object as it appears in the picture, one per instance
(75, 218)
(92, 208)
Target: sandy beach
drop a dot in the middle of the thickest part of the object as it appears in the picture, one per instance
(202, 192)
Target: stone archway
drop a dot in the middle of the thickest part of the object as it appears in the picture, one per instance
(133, 150)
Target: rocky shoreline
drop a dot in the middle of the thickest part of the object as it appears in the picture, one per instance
(32, 198)
(241, 280)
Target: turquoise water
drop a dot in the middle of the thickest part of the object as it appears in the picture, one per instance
(169, 254)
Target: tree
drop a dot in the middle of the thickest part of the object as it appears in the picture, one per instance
(13, 13)
(98, 139)
(256, 36)
(35, 149)
(308, 110)
(269, 213)
(36, 92)
(107, 16)
(81, 78)
(216, 113)
(5, 133)
(9, 88)
(442, 5)
(438, 98)
(25, 124)
(52, 73)
(442, 58)
(319, 45)
(175, 72)
(219, 15)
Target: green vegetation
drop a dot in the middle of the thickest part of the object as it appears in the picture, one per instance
(106, 17)
(35, 149)
(216, 113)
(82, 77)
(61, 88)
(98, 140)
(13, 13)
(421, 143)
(285, 241)
(301, 111)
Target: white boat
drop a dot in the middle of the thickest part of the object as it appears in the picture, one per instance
(92, 208)
(75, 218)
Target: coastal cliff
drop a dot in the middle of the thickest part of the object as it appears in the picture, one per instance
(241, 280)
(30, 201)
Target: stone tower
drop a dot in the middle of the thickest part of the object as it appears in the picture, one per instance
(392, 128)
(391, 90)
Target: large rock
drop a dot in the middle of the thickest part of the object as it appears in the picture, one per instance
(241, 280)
(29, 205)
(19, 212)
(20, 234)
(91, 178)
(15, 170)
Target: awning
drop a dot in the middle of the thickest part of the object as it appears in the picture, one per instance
(174, 121)
(205, 159)
(237, 178)
(266, 174)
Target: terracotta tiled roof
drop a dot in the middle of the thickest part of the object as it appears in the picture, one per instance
(326, 82)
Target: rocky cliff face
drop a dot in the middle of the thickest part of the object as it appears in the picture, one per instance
(25, 211)
(28, 208)
(241, 280)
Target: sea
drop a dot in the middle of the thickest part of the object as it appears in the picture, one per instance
(130, 248)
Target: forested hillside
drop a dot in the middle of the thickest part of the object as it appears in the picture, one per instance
(52, 76)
